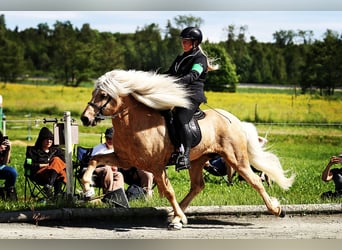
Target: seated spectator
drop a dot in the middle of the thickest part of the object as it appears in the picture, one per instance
(139, 177)
(48, 166)
(7, 173)
(335, 175)
(109, 176)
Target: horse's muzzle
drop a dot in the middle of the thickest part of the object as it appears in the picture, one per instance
(87, 122)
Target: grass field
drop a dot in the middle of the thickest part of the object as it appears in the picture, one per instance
(292, 123)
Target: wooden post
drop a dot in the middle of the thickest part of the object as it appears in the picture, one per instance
(68, 155)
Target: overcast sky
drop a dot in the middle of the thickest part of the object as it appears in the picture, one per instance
(261, 24)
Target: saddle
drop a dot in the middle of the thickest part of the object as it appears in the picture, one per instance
(195, 131)
(195, 128)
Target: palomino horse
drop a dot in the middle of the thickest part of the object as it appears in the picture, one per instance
(133, 100)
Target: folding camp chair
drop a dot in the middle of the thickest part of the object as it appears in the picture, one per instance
(36, 190)
(217, 167)
(80, 164)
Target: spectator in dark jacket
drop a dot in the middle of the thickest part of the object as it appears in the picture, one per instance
(47, 162)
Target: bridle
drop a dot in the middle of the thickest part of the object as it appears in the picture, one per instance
(99, 114)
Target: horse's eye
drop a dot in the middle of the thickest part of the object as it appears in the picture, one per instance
(104, 95)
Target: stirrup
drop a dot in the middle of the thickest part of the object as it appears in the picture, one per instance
(182, 163)
(173, 158)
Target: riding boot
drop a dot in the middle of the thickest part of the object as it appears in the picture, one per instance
(183, 161)
(11, 194)
(170, 125)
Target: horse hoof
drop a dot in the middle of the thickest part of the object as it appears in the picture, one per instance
(184, 221)
(88, 194)
(282, 214)
(175, 226)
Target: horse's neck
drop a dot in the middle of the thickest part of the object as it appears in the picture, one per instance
(136, 128)
(136, 119)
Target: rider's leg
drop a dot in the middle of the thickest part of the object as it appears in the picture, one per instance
(183, 161)
(183, 118)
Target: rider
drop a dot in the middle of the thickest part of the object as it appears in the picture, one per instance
(191, 68)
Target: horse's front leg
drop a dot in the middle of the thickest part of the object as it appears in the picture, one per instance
(88, 190)
(101, 159)
(197, 182)
(165, 189)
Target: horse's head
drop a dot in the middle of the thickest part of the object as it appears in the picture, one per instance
(100, 106)
(155, 91)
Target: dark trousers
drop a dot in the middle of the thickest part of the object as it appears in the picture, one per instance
(9, 174)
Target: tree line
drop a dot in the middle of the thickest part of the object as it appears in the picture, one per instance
(71, 55)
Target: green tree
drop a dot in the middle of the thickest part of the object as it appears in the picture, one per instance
(171, 46)
(37, 54)
(295, 59)
(64, 46)
(284, 37)
(110, 53)
(305, 36)
(86, 54)
(183, 21)
(332, 61)
(148, 46)
(225, 78)
(323, 64)
(11, 54)
(278, 66)
(259, 68)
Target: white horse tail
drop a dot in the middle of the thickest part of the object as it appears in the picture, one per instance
(264, 160)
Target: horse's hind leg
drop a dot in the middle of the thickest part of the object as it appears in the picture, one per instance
(255, 181)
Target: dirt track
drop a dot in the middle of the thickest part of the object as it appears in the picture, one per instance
(312, 226)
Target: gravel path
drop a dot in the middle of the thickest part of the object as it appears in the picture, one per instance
(208, 227)
(245, 222)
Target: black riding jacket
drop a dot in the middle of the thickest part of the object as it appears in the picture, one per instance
(191, 69)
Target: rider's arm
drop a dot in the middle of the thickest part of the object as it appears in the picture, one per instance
(326, 174)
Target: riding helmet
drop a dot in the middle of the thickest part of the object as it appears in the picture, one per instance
(192, 33)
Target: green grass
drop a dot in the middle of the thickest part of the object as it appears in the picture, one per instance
(279, 107)
(303, 150)
(304, 155)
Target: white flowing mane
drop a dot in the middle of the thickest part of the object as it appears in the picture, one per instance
(156, 91)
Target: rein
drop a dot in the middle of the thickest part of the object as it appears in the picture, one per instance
(218, 112)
